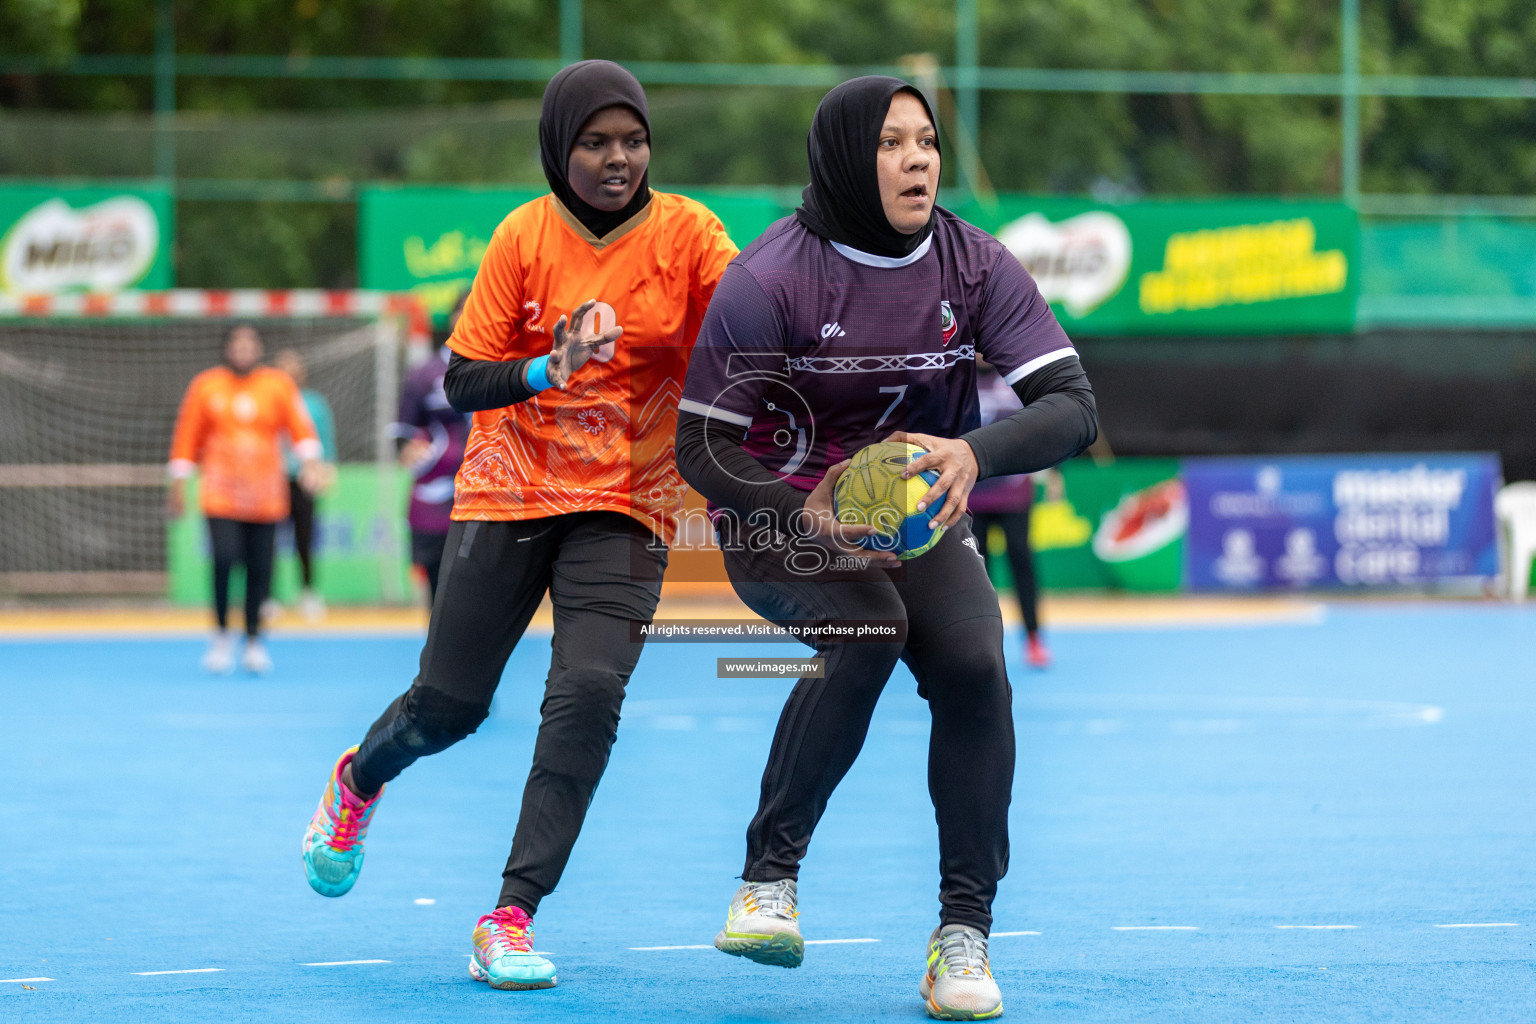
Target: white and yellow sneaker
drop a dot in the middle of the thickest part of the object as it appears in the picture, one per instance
(958, 983)
(762, 925)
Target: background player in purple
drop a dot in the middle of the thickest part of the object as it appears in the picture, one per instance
(1005, 502)
(860, 318)
(432, 436)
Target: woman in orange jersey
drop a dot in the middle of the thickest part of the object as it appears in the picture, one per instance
(568, 488)
(230, 425)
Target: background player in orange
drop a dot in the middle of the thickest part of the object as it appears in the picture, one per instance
(569, 487)
(231, 424)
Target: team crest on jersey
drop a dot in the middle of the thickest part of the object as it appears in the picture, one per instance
(946, 321)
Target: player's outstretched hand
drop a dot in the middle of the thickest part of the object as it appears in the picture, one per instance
(956, 465)
(821, 524)
(572, 352)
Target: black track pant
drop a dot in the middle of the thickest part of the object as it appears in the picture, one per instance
(1021, 561)
(602, 571)
(250, 544)
(301, 509)
(427, 551)
(953, 644)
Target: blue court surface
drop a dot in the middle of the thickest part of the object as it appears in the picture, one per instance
(1332, 821)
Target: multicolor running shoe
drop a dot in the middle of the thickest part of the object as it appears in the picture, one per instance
(762, 925)
(333, 843)
(958, 984)
(504, 956)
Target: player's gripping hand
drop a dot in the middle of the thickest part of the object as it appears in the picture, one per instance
(572, 352)
(820, 524)
(957, 468)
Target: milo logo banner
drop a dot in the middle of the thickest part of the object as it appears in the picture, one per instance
(1222, 266)
(1341, 521)
(86, 239)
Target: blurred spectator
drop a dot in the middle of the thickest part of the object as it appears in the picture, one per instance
(431, 436)
(230, 425)
(1005, 502)
(301, 503)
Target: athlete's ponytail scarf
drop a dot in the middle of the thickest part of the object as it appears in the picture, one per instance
(576, 93)
(842, 202)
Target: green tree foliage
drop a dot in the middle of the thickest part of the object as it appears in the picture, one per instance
(1113, 145)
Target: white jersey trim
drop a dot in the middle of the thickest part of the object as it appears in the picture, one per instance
(700, 409)
(1037, 362)
(888, 262)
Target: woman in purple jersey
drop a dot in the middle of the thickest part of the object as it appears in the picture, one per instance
(857, 320)
(1005, 502)
(431, 435)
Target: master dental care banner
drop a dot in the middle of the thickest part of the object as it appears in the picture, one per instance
(1340, 521)
(84, 239)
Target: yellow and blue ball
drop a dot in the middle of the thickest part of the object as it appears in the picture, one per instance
(871, 491)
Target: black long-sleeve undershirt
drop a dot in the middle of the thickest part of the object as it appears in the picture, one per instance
(475, 384)
(1059, 419)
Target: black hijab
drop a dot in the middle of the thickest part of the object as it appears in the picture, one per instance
(576, 93)
(842, 202)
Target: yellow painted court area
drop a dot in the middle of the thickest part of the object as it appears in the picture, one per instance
(679, 601)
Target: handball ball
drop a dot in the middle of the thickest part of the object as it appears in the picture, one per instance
(871, 491)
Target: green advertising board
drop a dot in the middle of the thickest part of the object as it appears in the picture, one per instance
(1155, 267)
(429, 241)
(55, 239)
(1162, 267)
(362, 555)
(1113, 526)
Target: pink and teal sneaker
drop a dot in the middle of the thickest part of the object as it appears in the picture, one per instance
(504, 955)
(333, 843)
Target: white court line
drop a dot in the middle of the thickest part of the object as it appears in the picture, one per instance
(1003, 935)
(190, 970)
(834, 942)
(1495, 924)
(21, 981)
(344, 963)
(423, 901)
(1154, 928)
(808, 942)
(1316, 927)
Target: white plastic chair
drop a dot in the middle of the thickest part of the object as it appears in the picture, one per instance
(1515, 507)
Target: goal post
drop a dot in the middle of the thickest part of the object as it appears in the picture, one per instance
(89, 389)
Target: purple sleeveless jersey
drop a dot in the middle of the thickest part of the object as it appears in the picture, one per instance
(818, 349)
(425, 412)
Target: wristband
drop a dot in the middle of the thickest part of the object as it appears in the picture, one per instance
(538, 379)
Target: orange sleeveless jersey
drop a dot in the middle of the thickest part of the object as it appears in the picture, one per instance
(231, 427)
(607, 443)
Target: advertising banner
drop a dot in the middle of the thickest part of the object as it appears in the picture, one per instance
(1341, 521)
(84, 239)
(1155, 267)
(1159, 267)
(1119, 525)
(361, 552)
(429, 241)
